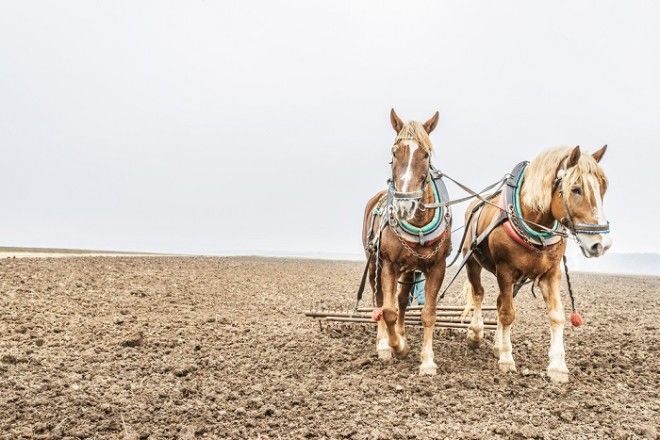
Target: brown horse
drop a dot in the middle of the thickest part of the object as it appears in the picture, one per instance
(559, 192)
(401, 235)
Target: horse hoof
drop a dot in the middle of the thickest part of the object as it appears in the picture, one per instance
(496, 352)
(403, 352)
(558, 376)
(385, 354)
(506, 367)
(474, 343)
(428, 370)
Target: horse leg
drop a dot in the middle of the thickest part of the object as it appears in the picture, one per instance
(405, 288)
(434, 278)
(549, 283)
(382, 345)
(505, 316)
(475, 295)
(390, 314)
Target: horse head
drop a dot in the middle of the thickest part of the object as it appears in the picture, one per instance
(580, 185)
(411, 163)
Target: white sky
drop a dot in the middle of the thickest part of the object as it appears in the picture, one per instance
(202, 126)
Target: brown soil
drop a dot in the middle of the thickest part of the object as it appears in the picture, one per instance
(218, 348)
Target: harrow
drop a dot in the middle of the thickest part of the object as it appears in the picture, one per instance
(448, 317)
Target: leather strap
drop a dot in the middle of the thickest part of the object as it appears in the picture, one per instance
(363, 282)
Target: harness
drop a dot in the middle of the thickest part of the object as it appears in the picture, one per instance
(514, 224)
(510, 217)
(434, 232)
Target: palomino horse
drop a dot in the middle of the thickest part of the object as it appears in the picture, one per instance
(520, 235)
(400, 234)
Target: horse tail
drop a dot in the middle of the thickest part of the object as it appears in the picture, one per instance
(468, 293)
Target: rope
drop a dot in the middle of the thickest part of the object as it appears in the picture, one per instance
(568, 281)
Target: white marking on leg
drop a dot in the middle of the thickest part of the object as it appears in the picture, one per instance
(557, 368)
(506, 352)
(556, 352)
(476, 328)
(428, 365)
(497, 342)
(382, 343)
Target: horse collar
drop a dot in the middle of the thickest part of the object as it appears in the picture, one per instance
(515, 225)
(432, 231)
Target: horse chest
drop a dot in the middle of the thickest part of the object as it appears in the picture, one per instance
(530, 263)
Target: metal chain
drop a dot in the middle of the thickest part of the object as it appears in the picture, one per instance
(415, 253)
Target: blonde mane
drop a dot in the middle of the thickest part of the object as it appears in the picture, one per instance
(536, 191)
(414, 131)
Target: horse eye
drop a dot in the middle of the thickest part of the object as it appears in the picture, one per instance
(577, 191)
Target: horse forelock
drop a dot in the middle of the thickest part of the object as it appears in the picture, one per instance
(415, 131)
(540, 175)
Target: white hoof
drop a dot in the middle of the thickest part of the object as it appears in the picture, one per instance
(506, 366)
(496, 351)
(385, 354)
(429, 369)
(558, 376)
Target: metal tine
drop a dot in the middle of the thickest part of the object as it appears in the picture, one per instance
(413, 318)
(441, 308)
(367, 319)
(438, 324)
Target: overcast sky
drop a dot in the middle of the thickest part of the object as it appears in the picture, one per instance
(202, 126)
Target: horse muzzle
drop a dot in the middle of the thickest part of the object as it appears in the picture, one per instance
(406, 208)
(594, 245)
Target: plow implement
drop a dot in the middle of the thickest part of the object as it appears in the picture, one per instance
(448, 317)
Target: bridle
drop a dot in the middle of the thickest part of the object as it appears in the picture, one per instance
(415, 196)
(568, 221)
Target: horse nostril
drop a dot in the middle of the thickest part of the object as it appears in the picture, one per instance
(597, 249)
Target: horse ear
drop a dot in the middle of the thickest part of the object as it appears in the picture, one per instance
(598, 154)
(397, 123)
(431, 123)
(573, 157)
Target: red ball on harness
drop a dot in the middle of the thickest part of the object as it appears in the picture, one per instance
(376, 314)
(576, 319)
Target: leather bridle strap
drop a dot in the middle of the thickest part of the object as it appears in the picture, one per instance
(569, 223)
(412, 195)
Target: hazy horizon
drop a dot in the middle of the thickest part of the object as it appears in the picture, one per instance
(209, 127)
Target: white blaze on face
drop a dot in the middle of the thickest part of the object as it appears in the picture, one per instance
(598, 209)
(604, 239)
(407, 175)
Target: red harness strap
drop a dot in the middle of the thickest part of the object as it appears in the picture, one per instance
(511, 232)
(515, 236)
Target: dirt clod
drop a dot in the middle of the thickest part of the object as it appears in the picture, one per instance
(133, 340)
